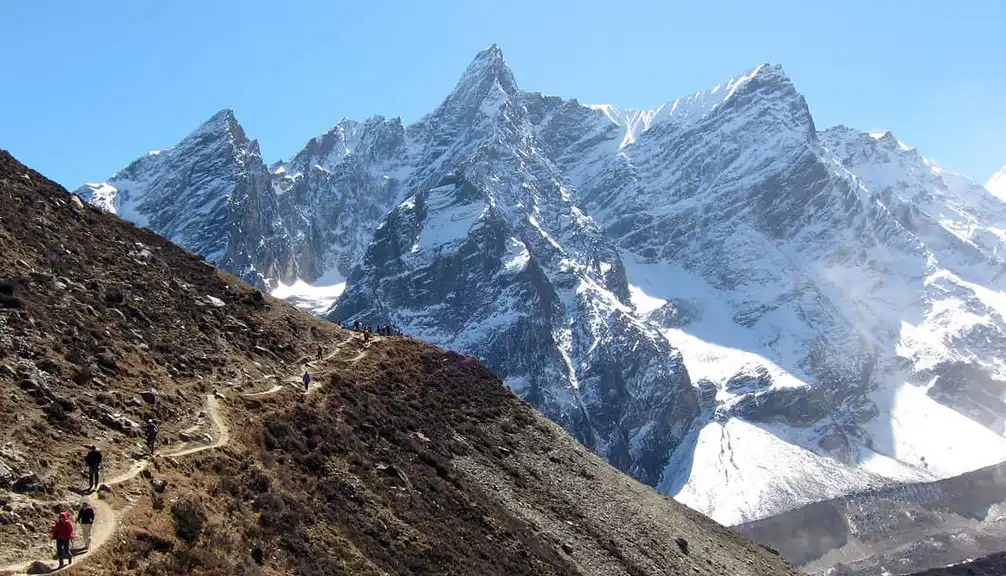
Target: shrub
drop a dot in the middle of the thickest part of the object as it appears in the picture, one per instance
(190, 517)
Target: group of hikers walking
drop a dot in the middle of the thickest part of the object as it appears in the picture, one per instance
(63, 531)
(380, 330)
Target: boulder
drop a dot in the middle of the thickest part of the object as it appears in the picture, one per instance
(107, 360)
(28, 482)
(149, 396)
(83, 375)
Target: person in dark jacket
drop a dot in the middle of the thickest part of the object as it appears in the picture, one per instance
(85, 517)
(93, 463)
(307, 381)
(151, 435)
(62, 533)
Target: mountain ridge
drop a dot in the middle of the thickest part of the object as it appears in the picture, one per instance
(399, 457)
(669, 283)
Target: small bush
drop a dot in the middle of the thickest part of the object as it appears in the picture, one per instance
(190, 517)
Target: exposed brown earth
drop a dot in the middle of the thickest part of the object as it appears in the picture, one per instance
(403, 459)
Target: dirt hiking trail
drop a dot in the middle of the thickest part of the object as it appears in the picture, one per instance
(296, 381)
(106, 518)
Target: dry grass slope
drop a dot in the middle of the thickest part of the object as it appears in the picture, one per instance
(406, 460)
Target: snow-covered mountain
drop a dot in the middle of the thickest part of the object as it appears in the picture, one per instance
(997, 184)
(491, 255)
(726, 303)
(209, 193)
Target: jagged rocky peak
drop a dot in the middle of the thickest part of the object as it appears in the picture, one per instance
(487, 77)
(209, 193)
(222, 127)
(767, 82)
(376, 138)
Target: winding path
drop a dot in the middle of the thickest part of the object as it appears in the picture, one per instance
(295, 380)
(107, 519)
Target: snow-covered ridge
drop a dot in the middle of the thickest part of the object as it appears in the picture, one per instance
(683, 110)
(997, 184)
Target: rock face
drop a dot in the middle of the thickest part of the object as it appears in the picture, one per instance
(209, 193)
(718, 298)
(333, 192)
(492, 255)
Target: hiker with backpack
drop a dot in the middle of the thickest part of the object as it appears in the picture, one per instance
(85, 517)
(93, 462)
(307, 381)
(151, 435)
(62, 533)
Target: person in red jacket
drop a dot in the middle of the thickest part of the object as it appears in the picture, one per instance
(62, 533)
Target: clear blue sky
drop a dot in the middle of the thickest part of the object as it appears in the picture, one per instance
(89, 86)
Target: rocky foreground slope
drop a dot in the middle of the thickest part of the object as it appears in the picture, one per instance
(406, 458)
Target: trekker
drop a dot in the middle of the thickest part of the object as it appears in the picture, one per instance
(62, 533)
(366, 337)
(93, 462)
(85, 517)
(307, 381)
(356, 326)
(320, 350)
(151, 435)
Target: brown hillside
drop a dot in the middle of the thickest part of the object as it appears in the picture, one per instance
(402, 459)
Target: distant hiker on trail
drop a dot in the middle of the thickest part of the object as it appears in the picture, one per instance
(356, 326)
(366, 337)
(320, 350)
(307, 381)
(62, 533)
(151, 435)
(86, 520)
(93, 462)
